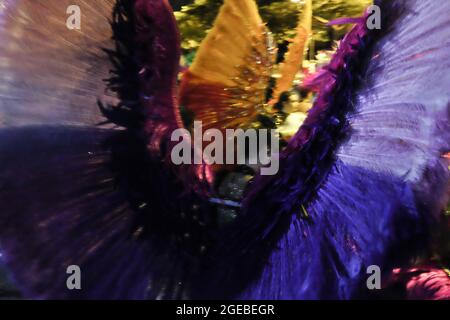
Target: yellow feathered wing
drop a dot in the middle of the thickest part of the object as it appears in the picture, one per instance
(227, 82)
(296, 52)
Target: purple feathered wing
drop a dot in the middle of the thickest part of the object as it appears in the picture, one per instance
(364, 180)
(84, 176)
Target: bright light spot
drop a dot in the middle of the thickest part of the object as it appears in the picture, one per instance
(292, 124)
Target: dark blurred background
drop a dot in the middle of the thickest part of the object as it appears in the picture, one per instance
(178, 3)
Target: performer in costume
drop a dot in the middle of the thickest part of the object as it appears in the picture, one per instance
(361, 183)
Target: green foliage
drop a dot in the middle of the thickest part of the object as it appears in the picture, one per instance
(281, 18)
(195, 20)
(280, 15)
(328, 10)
